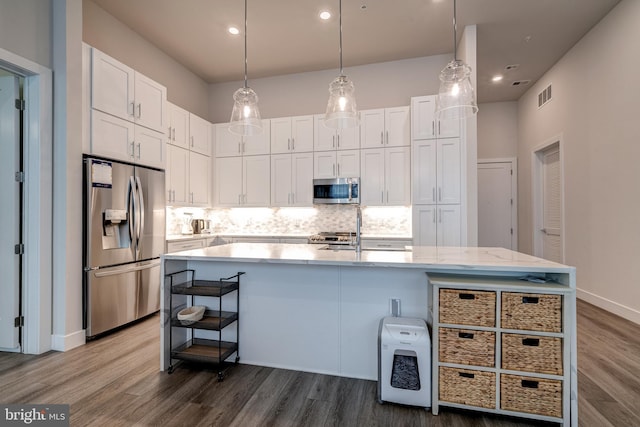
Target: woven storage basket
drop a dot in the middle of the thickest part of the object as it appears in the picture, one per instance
(533, 395)
(467, 347)
(532, 353)
(533, 312)
(468, 387)
(464, 307)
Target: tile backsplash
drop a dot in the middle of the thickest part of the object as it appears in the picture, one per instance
(378, 221)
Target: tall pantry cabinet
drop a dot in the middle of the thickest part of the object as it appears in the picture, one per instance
(438, 192)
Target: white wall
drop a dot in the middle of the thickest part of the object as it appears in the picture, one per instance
(25, 29)
(104, 32)
(595, 108)
(498, 130)
(386, 84)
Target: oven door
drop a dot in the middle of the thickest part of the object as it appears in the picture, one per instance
(336, 191)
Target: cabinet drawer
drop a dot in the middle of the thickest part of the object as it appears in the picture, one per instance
(529, 394)
(532, 353)
(467, 347)
(465, 307)
(467, 387)
(185, 246)
(533, 312)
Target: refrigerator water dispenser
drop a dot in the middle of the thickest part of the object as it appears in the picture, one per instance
(115, 229)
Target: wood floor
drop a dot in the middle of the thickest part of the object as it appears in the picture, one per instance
(115, 381)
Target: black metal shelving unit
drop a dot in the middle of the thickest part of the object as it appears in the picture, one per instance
(200, 350)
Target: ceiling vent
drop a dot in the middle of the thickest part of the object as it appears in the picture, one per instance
(521, 83)
(511, 67)
(544, 96)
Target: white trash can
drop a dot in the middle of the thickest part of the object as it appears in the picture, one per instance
(404, 362)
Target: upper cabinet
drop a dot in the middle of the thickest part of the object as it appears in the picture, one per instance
(178, 129)
(228, 144)
(199, 135)
(425, 124)
(292, 135)
(119, 90)
(327, 139)
(385, 127)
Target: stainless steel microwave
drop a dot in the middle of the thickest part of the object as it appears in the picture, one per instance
(336, 191)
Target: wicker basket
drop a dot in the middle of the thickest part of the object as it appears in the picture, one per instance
(532, 353)
(468, 387)
(464, 307)
(532, 395)
(533, 312)
(467, 347)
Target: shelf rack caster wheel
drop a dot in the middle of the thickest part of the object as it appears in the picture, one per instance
(237, 360)
(220, 376)
(170, 370)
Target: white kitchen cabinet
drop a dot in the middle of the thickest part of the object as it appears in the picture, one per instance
(149, 147)
(199, 135)
(336, 164)
(437, 171)
(327, 139)
(178, 129)
(292, 179)
(111, 136)
(242, 181)
(199, 179)
(292, 134)
(425, 124)
(385, 176)
(177, 175)
(437, 225)
(119, 90)
(228, 144)
(385, 127)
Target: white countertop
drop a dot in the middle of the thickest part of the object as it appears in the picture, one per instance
(427, 257)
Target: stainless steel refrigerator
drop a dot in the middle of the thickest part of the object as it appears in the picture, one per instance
(124, 236)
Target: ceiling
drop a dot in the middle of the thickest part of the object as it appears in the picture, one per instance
(286, 36)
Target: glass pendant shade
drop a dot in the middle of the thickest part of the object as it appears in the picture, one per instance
(245, 117)
(456, 98)
(341, 108)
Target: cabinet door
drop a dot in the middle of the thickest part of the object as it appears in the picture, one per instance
(302, 134)
(324, 164)
(228, 182)
(256, 171)
(227, 144)
(397, 130)
(423, 121)
(424, 172)
(449, 128)
(397, 176)
(424, 225)
(149, 147)
(348, 163)
(448, 225)
(150, 103)
(176, 175)
(199, 179)
(372, 128)
(200, 135)
(325, 138)
(111, 137)
(178, 126)
(348, 138)
(258, 144)
(281, 179)
(301, 179)
(281, 135)
(112, 86)
(372, 177)
(448, 170)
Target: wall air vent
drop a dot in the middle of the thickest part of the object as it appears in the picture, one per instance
(521, 82)
(544, 96)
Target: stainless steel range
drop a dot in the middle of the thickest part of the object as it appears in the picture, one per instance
(334, 238)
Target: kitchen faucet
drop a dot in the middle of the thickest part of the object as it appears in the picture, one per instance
(358, 224)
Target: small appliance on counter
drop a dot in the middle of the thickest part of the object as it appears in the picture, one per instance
(187, 228)
(200, 226)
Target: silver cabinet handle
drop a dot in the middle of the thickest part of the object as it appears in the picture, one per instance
(439, 131)
(133, 109)
(433, 128)
(169, 132)
(338, 141)
(439, 194)
(238, 147)
(174, 134)
(387, 196)
(382, 138)
(434, 216)
(289, 198)
(133, 155)
(339, 170)
(191, 196)
(333, 141)
(382, 196)
(293, 144)
(293, 198)
(192, 140)
(387, 137)
(169, 195)
(440, 216)
(138, 150)
(139, 110)
(244, 147)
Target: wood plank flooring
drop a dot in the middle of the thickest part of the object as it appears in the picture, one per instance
(115, 381)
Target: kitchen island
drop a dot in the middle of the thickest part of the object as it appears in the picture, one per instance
(305, 308)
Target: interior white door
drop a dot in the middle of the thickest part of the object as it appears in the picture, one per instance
(10, 213)
(495, 207)
(551, 205)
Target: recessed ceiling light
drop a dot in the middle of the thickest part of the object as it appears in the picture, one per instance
(496, 78)
(325, 15)
(234, 31)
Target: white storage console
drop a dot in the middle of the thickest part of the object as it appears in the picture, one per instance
(502, 345)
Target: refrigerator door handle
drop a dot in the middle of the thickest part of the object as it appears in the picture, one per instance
(140, 214)
(116, 271)
(133, 214)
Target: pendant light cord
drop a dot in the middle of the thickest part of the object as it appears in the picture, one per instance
(340, 18)
(455, 27)
(245, 43)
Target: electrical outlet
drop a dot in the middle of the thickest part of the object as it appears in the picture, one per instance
(394, 307)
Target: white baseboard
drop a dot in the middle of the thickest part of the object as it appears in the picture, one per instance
(68, 342)
(611, 306)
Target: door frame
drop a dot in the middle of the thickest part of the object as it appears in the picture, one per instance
(514, 193)
(537, 192)
(38, 203)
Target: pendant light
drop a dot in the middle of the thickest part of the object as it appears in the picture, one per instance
(245, 117)
(456, 98)
(341, 108)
